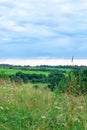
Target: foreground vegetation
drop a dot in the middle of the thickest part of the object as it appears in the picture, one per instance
(23, 107)
(43, 98)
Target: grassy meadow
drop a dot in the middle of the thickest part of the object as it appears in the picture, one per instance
(33, 106)
(23, 107)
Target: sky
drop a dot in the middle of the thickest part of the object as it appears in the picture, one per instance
(43, 30)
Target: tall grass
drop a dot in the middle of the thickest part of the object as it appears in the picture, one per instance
(28, 108)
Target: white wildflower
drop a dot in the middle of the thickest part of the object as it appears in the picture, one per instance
(1, 108)
(55, 103)
(80, 107)
(43, 117)
(57, 107)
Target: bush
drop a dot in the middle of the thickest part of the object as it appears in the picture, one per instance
(54, 79)
(75, 83)
(3, 75)
(35, 86)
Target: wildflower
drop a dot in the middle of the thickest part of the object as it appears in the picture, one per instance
(57, 107)
(80, 107)
(55, 103)
(43, 117)
(1, 108)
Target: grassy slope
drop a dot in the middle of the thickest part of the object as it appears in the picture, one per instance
(26, 108)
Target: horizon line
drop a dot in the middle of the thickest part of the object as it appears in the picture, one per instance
(44, 61)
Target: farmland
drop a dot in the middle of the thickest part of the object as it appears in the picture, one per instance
(31, 70)
(14, 71)
(38, 74)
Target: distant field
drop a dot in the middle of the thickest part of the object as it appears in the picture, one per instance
(14, 71)
(32, 70)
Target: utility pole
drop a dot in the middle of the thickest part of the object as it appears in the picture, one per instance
(72, 60)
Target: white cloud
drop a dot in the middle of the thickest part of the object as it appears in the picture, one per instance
(55, 1)
(11, 26)
(45, 11)
(57, 23)
(2, 1)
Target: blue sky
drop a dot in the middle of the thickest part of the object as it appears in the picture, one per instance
(32, 29)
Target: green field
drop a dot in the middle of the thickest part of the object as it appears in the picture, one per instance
(33, 70)
(25, 108)
(14, 71)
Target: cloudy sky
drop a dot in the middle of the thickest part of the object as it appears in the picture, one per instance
(43, 29)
